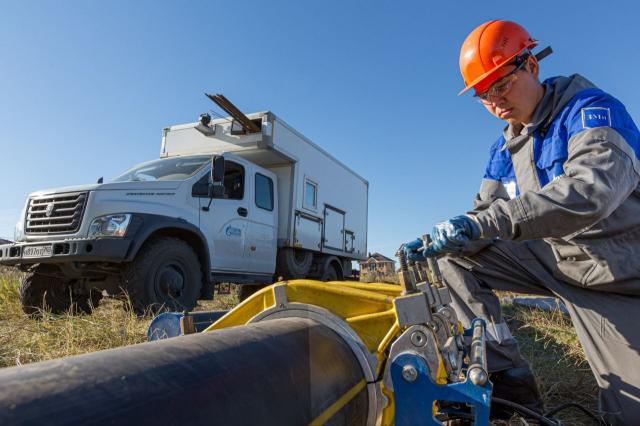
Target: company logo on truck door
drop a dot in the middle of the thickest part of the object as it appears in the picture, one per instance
(233, 232)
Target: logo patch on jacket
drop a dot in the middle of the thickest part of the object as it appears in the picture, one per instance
(595, 117)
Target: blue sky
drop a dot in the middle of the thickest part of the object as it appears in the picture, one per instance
(87, 88)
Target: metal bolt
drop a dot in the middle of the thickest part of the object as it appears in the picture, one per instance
(453, 360)
(418, 338)
(477, 376)
(409, 373)
(402, 257)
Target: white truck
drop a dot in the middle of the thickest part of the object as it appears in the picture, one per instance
(243, 200)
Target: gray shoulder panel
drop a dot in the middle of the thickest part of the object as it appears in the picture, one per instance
(592, 140)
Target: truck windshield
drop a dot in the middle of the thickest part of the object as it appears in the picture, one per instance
(176, 168)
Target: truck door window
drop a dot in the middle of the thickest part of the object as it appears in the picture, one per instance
(264, 192)
(310, 194)
(233, 181)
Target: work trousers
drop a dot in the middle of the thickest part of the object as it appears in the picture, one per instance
(607, 324)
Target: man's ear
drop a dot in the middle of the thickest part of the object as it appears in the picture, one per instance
(532, 66)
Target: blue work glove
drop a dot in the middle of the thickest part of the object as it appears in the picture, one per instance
(411, 251)
(452, 235)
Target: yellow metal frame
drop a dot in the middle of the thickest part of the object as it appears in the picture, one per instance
(367, 308)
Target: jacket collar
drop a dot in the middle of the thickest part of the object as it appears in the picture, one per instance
(558, 91)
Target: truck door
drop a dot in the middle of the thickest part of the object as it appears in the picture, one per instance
(225, 224)
(333, 228)
(262, 233)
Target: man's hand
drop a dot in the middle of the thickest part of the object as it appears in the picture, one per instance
(411, 250)
(452, 235)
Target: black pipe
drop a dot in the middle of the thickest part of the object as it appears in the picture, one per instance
(278, 372)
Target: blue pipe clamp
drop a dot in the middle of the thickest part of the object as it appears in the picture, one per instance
(415, 393)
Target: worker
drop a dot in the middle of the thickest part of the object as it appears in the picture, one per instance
(558, 213)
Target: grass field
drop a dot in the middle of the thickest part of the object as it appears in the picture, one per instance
(547, 340)
(24, 340)
(549, 343)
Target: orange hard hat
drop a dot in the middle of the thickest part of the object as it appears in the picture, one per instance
(489, 47)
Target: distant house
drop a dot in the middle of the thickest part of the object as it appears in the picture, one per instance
(377, 263)
(4, 241)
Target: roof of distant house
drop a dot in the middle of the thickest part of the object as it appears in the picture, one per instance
(378, 258)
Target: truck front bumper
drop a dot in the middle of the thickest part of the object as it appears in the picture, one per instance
(77, 250)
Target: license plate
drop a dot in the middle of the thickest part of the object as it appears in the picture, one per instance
(37, 251)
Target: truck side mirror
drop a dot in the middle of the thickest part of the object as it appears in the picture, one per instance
(217, 169)
(216, 191)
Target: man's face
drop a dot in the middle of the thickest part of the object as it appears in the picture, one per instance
(518, 102)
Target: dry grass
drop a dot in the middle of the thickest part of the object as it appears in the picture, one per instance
(24, 340)
(547, 340)
(378, 277)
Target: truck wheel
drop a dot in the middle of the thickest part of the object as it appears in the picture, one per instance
(293, 263)
(40, 292)
(165, 275)
(329, 274)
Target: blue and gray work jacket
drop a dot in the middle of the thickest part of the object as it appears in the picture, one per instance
(571, 177)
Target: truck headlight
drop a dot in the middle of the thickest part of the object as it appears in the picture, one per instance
(18, 231)
(113, 225)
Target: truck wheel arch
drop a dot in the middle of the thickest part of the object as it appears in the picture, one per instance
(147, 226)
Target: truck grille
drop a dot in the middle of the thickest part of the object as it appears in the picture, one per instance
(55, 214)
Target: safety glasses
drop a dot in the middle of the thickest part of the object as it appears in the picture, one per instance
(500, 88)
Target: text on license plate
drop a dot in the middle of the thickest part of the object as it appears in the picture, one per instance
(37, 251)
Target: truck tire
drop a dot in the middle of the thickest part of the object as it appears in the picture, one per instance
(293, 263)
(330, 273)
(40, 293)
(164, 276)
